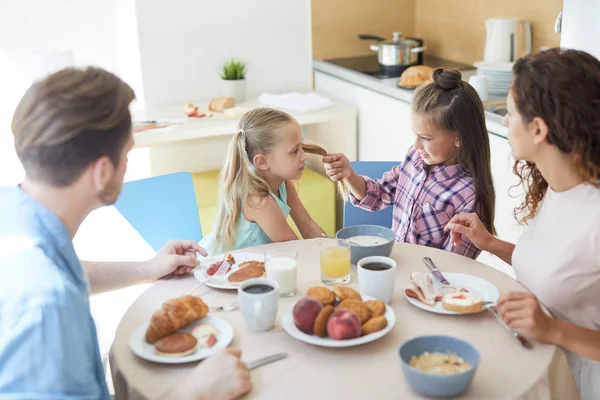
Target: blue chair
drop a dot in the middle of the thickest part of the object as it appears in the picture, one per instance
(357, 216)
(162, 208)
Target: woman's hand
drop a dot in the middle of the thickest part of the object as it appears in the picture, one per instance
(522, 310)
(471, 227)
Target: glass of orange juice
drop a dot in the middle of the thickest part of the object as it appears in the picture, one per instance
(335, 262)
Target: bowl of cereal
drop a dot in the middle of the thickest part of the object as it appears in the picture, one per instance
(439, 366)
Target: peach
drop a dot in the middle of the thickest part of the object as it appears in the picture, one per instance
(305, 313)
(344, 324)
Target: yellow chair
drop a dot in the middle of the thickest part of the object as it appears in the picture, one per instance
(317, 192)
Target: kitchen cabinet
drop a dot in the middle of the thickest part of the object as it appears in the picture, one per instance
(384, 129)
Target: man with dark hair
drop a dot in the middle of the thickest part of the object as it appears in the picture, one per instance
(72, 133)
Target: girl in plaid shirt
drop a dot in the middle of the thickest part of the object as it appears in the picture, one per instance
(445, 173)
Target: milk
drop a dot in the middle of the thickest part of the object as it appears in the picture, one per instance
(367, 240)
(284, 271)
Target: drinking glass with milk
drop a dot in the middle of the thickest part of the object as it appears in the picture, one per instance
(281, 266)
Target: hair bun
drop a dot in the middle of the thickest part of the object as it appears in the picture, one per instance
(446, 79)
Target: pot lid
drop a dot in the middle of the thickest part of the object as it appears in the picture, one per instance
(398, 40)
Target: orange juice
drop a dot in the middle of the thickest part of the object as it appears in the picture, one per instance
(335, 262)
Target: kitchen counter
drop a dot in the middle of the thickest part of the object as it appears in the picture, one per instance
(389, 87)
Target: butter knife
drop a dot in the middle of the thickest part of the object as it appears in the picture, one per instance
(522, 339)
(266, 360)
(435, 272)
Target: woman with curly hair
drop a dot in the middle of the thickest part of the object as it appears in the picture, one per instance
(553, 126)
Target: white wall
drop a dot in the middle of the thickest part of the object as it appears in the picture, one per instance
(183, 45)
(101, 33)
(580, 26)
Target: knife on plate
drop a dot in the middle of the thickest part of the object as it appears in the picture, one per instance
(434, 271)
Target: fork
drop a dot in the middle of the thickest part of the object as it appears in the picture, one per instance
(221, 272)
(522, 339)
(230, 307)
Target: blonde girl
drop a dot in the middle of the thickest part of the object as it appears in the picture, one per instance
(256, 191)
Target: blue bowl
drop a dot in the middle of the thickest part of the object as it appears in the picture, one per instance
(438, 385)
(359, 252)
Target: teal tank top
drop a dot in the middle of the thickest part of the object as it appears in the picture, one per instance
(248, 233)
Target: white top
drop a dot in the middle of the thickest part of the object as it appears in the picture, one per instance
(558, 259)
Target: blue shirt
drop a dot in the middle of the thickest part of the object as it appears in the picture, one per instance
(48, 343)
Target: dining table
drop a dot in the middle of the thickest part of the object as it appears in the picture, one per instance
(507, 370)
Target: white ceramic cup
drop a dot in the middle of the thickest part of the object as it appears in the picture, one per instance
(480, 84)
(378, 284)
(259, 309)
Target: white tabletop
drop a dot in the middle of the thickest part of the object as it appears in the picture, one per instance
(506, 371)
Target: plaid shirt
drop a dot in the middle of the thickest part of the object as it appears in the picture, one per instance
(424, 200)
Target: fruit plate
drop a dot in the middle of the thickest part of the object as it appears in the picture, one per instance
(287, 322)
(481, 288)
(145, 350)
(201, 271)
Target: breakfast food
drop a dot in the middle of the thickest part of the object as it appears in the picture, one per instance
(323, 295)
(365, 240)
(343, 325)
(439, 363)
(464, 303)
(377, 307)
(176, 345)
(251, 264)
(174, 315)
(421, 287)
(374, 325)
(415, 76)
(349, 319)
(249, 272)
(357, 307)
(320, 328)
(206, 334)
(221, 103)
(344, 293)
(305, 313)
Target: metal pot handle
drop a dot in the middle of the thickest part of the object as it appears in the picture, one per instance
(419, 49)
(374, 47)
(371, 37)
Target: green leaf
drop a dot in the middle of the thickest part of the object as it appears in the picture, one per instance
(233, 70)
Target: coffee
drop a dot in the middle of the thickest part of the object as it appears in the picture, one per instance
(258, 289)
(376, 266)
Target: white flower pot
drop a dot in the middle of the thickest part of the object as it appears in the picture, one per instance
(235, 89)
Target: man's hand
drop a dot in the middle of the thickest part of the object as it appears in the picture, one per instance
(178, 257)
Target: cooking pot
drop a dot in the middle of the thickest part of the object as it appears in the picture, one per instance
(396, 55)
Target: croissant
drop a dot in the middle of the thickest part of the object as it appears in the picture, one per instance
(174, 315)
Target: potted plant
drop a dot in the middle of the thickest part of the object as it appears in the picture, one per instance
(233, 78)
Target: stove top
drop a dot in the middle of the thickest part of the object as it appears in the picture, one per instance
(369, 65)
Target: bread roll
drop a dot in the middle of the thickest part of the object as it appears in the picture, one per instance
(415, 76)
(174, 315)
(220, 104)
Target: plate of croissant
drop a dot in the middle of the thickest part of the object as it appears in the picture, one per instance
(181, 332)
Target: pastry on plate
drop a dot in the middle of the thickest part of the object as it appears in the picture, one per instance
(344, 293)
(377, 307)
(461, 302)
(323, 295)
(245, 273)
(174, 315)
(320, 328)
(357, 307)
(176, 345)
(374, 325)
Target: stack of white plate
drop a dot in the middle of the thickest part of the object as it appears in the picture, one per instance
(499, 76)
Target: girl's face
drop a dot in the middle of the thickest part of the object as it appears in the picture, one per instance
(287, 160)
(435, 146)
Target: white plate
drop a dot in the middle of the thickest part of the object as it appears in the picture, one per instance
(145, 350)
(287, 322)
(205, 263)
(476, 286)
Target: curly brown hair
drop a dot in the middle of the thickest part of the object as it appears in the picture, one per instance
(562, 87)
